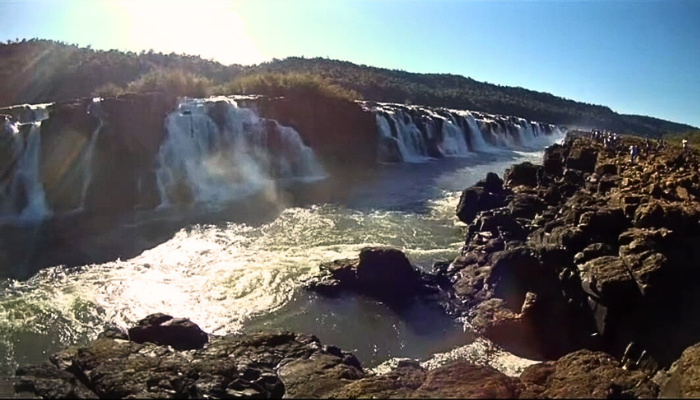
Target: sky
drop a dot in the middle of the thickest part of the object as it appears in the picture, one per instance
(637, 57)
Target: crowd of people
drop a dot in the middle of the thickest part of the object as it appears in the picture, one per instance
(611, 140)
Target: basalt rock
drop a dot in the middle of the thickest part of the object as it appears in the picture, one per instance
(260, 365)
(386, 275)
(475, 200)
(164, 330)
(585, 374)
(611, 262)
(525, 174)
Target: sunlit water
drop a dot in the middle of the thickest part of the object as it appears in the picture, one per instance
(230, 276)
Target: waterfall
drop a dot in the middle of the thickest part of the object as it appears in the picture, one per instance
(417, 134)
(475, 133)
(204, 162)
(453, 142)
(23, 195)
(86, 160)
(411, 142)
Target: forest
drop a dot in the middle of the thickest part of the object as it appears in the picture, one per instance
(41, 71)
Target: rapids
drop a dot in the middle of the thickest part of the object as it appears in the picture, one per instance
(239, 267)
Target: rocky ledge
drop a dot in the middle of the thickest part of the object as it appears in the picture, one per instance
(587, 251)
(166, 357)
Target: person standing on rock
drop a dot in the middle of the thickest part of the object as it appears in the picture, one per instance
(633, 153)
(685, 146)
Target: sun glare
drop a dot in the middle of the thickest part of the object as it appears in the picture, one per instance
(208, 28)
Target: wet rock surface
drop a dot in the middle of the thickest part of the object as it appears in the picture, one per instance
(264, 365)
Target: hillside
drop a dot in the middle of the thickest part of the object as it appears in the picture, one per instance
(37, 71)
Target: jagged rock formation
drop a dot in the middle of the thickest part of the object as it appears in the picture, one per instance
(284, 364)
(587, 251)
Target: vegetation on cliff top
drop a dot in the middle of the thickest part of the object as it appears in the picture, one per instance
(37, 71)
(288, 84)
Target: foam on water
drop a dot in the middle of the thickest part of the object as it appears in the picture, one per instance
(230, 277)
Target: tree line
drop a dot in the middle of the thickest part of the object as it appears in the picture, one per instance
(38, 71)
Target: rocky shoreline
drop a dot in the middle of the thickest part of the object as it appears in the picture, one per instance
(586, 263)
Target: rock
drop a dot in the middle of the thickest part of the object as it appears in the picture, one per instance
(684, 376)
(458, 379)
(607, 278)
(585, 374)
(513, 274)
(497, 322)
(500, 223)
(605, 184)
(180, 333)
(464, 380)
(474, 200)
(582, 159)
(641, 252)
(399, 383)
(571, 238)
(261, 365)
(524, 174)
(526, 206)
(340, 131)
(606, 168)
(678, 217)
(491, 184)
(387, 274)
(553, 160)
(592, 251)
(604, 224)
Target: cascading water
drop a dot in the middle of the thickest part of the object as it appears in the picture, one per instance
(22, 195)
(27, 177)
(453, 142)
(202, 162)
(87, 158)
(413, 134)
(475, 133)
(410, 139)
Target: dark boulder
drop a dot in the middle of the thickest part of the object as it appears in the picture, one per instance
(553, 160)
(513, 274)
(525, 174)
(381, 273)
(474, 200)
(386, 274)
(161, 329)
(582, 159)
(604, 225)
(491, 184)
(526, 206)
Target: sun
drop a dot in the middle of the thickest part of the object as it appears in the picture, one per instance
(209, 28)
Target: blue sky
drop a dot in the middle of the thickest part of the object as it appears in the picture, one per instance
(637, 57)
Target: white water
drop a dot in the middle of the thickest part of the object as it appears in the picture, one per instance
(235, 277)
(453, 142)
(25, 180)
(27, 176)
(247, 156)
(412, 143)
